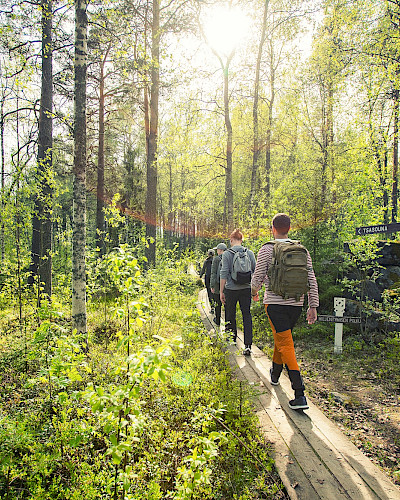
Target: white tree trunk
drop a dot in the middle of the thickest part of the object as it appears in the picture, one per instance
(79, 171)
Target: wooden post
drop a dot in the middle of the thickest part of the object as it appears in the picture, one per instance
(339, 304)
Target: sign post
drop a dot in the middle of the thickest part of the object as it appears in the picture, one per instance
(339, 304)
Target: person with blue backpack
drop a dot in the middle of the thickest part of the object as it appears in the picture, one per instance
(237, 267)
(214, 280)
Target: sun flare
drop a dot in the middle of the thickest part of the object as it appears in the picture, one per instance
(225, 28)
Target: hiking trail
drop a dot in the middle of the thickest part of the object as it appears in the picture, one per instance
(314, 459)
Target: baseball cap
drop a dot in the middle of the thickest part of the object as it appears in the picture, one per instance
(221, 246)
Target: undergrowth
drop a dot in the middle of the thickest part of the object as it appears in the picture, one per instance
(151, 412)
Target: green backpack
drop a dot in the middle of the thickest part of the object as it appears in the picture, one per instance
(288, 271)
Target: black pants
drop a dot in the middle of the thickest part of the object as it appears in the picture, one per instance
(218, 307)
(282, 319)
(232, 297)
(209, 292)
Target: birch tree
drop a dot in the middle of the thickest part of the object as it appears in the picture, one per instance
(79, 171)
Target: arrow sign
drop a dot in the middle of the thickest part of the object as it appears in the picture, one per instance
(381, 228)
(338, 319)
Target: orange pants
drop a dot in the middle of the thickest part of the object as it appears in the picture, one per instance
(283, 347)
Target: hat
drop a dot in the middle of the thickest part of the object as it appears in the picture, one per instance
(221, 246)
(211, 252)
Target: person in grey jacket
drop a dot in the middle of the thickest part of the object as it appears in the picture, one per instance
(214, 281)
(232, 292)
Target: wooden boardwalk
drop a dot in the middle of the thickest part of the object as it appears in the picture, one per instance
(315, 460)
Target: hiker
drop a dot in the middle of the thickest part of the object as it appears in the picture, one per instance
(238, 264)
(285, 287)
(206, 270)
(214, 281)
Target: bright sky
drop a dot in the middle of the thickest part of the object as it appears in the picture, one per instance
(225, 28)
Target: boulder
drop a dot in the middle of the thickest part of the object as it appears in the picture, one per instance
(389, 253)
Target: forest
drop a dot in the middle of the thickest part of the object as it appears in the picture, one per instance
(135, 135)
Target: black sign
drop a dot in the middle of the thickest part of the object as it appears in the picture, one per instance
(339, 319)
(381, 228)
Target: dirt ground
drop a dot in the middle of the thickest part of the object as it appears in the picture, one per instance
(365, 410)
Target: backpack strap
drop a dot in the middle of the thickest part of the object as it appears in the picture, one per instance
(274, 242)
(271, 242)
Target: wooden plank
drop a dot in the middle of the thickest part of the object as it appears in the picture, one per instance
(293, 477)
(322, 481)
(353, 470)
(315, 460)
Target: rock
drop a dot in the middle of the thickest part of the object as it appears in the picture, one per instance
(336, 396)
(389, 253)
(373, 291)
(388, 277)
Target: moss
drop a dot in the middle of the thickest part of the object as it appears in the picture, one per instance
(395, 278)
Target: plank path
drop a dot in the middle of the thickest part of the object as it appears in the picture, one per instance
(315, 460)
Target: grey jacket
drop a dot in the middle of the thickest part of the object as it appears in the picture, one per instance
(227, 261)
(214, 282)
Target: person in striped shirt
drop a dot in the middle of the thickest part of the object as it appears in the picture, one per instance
(284, 313)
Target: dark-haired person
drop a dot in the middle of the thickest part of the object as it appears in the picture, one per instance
(206, 271)
(232, 292)
(214, 280)
(284, 313)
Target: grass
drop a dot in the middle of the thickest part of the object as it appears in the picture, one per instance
(166, 421)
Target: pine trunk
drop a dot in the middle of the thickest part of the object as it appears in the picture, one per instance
(151, 170)
(229, 141)
(395, 155)
(41, 251)
(3, 174)
(100, 227)
(256, 138)
(267, 182)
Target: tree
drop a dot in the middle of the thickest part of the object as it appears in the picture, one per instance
(42, 217)
(79, 171)
(152, 136)
(256, 98)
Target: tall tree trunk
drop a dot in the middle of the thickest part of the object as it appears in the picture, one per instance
(385, 192)
(3, 174)
(79, 172)
(100, 228)
(229, 142)
(41, 265)
(268, 133)
(256, 139)
(326, 133)
(395, 155)
(151, 167)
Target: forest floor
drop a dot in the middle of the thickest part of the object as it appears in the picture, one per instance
(364, 406)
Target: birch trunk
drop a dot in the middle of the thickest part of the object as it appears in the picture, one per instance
(79, 172)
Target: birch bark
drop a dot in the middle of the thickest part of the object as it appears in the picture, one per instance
(79, 172)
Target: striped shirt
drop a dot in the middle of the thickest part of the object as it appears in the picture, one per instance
(260, 277)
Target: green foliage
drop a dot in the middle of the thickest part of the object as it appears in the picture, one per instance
(151, 414)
